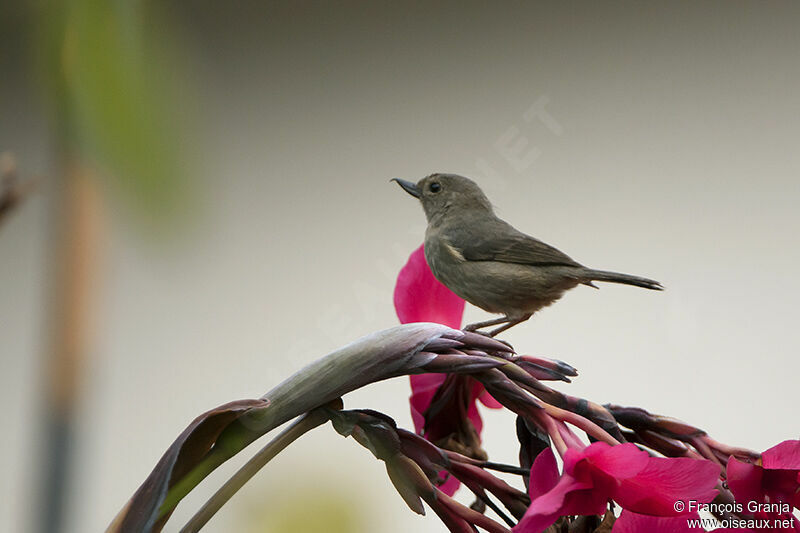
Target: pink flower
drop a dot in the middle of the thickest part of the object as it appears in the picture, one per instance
(623, 473)
(420, 297)
(775, 481)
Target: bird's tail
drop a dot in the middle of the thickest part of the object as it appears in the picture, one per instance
(625, 279)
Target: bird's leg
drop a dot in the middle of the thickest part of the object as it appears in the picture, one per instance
(485, 324)
(509, 323)
(478, 325)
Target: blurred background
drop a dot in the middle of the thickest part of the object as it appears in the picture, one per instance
(204, 207)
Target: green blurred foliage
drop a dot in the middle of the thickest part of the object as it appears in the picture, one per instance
(311, 509)
(109, 69)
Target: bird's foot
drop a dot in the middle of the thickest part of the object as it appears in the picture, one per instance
(505, 320)
(485, 324)
(511, 322)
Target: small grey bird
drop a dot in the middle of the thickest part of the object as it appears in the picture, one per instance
(488, 262)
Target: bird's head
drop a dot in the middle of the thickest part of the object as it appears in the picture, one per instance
(443, 193)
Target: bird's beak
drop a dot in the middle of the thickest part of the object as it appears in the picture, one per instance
(407, 186)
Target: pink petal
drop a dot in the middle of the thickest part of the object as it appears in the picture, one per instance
(663, 481)
(784, 456)
(568, 496)
(544, 474)
(450, 486)
(423, 388)
(420, 297)
(744, 480)
(630, 522)
(487, 400)
(480, 393)
(585, 502)
(474, 416)
(620, 462)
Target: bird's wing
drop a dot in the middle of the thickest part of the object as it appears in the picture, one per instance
(499, 241)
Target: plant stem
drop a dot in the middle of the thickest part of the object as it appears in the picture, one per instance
(508, 469)
(581, 422)
(549, 425)
(496, 508)
(78, 224)
(701, 446)
(304, 424)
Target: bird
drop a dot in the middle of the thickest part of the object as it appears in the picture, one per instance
(489, 263)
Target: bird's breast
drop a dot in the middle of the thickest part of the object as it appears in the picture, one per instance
(444, 259)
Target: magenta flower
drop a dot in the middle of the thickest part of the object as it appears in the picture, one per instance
(623, 473)
(456, 423)
(775, 481)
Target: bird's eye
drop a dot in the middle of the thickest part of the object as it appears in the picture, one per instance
(434, 187)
